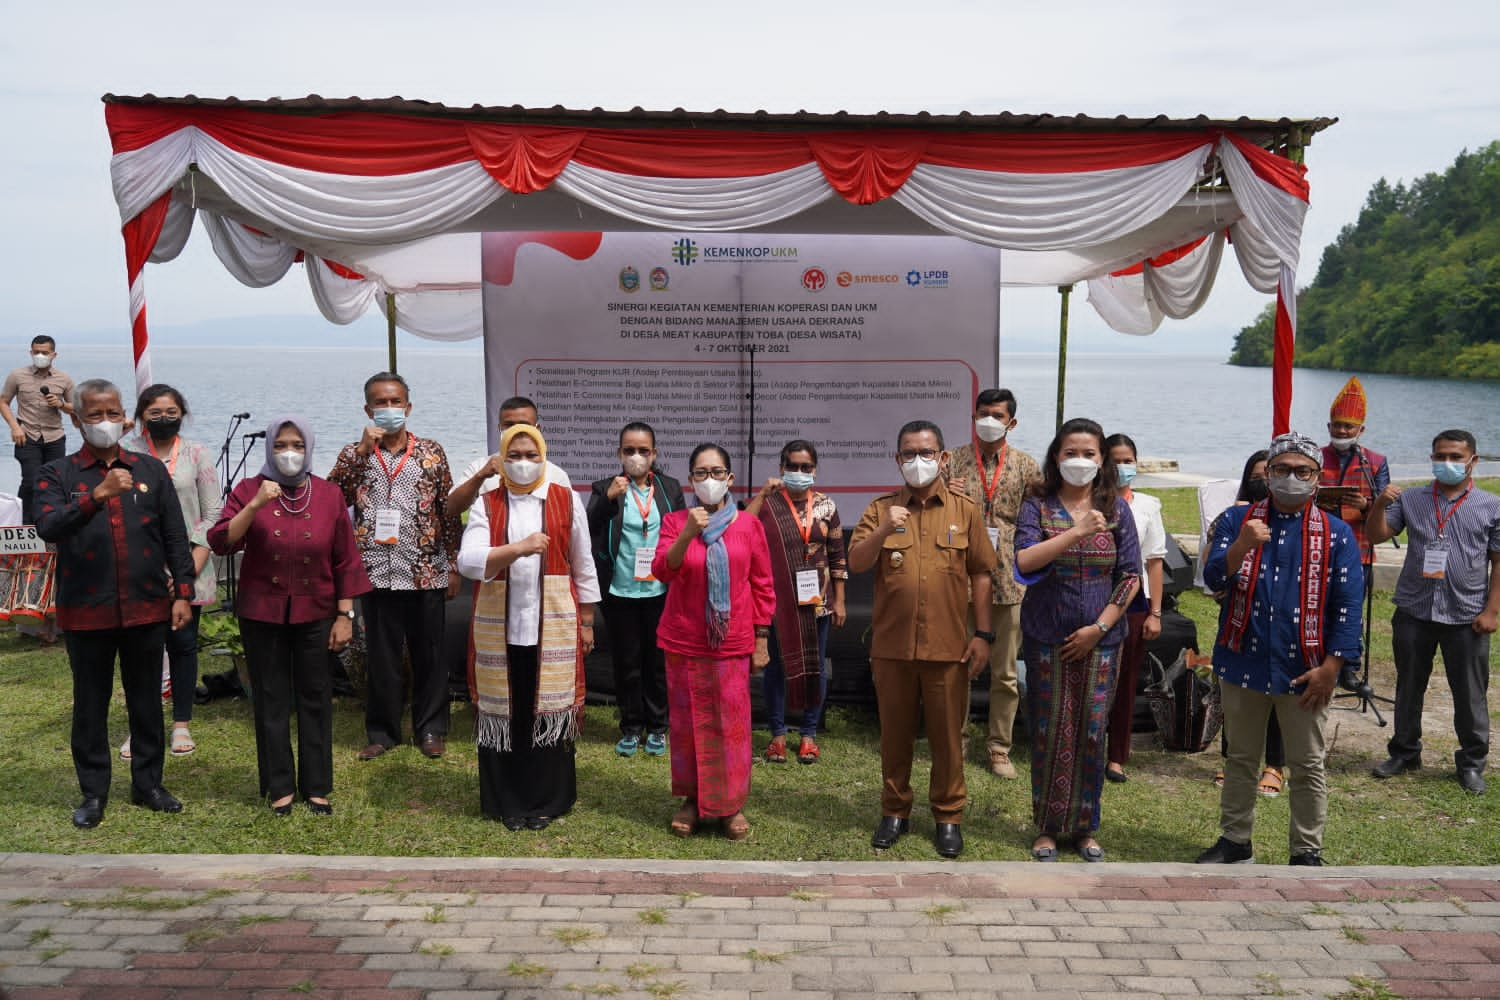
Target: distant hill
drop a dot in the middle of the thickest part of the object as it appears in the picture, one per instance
(1411, 288)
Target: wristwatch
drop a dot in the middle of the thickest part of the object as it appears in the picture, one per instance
(1103, 628)
(986, 636)
(347, 614)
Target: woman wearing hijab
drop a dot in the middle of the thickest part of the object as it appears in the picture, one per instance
(1076, 548)
(528, 545)
(625, 513)
(714, 630)
(295, 603)
(809, 569)
(159, 414)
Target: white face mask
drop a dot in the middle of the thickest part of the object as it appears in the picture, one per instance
(41, 361)
(990, 429)
(919, 471)
(1344, 444)
(711, 491)
(103, 434)
(636, 465)
(1078, 471)
(523, 473)
(289, 463)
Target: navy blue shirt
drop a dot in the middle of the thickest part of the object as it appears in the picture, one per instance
(1270, 657)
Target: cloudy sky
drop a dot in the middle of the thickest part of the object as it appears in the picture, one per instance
(1412, 84)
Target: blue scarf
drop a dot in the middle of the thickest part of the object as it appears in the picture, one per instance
(717, 562)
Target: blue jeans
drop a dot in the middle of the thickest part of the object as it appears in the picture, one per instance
(774, 680)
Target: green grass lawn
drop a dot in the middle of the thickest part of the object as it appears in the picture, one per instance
(404, 804)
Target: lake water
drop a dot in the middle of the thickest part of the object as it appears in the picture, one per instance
(1197, 410)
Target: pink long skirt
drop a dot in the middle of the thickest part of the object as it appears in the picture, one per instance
(710, 724)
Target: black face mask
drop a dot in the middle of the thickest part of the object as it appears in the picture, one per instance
(163, 428)
(1257, 490)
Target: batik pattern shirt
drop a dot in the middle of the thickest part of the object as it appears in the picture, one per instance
(426, 547)
(1016, 476)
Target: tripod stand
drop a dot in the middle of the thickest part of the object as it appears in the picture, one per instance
(1357, 684)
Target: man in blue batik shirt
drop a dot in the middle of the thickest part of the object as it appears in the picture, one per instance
(1294, 586)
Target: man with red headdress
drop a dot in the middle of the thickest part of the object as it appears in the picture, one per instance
(1353, 476)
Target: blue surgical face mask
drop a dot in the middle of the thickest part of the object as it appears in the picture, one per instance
(1450, 473)
(389, 418)
(798, 482)
(1124, 473)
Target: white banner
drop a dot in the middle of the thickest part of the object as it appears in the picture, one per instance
(836, 339)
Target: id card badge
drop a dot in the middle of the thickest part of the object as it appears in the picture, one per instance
(387, 526)
(643, 557)
(809, 591)
(994, 538)
(1435, 561)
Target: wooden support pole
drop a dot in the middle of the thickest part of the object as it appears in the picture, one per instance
(1065, 291)
(390, 328)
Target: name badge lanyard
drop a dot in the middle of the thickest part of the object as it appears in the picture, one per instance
(808, 585)
(644, 507)
(992, 485)
(388, 518)
(172, 461)
(1437, 510)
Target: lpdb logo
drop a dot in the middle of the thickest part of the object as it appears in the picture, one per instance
(814, 279)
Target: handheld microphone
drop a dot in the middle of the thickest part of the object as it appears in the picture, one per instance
(257, 434)
(45, 391)
(242, 416)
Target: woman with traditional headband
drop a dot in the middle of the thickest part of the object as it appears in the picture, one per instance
(714, 629)
(1076, 545)
(528, 545)
(809, 568)
(295, 603)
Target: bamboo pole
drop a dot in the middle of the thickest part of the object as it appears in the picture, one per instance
(1062, 350)
(390, 328)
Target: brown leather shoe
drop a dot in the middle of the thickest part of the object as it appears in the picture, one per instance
(433, 745)
(372, 751)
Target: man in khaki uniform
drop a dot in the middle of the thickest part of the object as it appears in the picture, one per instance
(929, 548)
(996, 476)
(41, 395)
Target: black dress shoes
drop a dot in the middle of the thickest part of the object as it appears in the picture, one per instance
(538, 822)
(157, 799)
(889, 831)
(320, 808)
(1392, 766)
(948, 838)
(282, 811)
(88, 814)
(1471, 780)
(513, 823)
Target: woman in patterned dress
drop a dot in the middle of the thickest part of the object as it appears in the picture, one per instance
(1076, 547)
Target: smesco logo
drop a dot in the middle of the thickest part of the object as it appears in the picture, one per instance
(815, 279)
(845, 279)
(684, 252)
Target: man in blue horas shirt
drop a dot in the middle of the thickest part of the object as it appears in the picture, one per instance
(1290, 619)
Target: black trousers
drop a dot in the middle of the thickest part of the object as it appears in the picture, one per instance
(412, 619)
(289, 671)
(32, 455)
(92, 656)
(526, 780)
(1466, 660)
(182, 657)
(640, 667)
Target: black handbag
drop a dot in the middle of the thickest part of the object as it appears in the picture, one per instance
(1185, 705)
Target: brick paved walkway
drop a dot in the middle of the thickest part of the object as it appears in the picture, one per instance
(231, 927)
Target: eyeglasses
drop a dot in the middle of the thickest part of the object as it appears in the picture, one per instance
(927, 453)
(800, 467)
(1305, 473)
(628, 451)
(699, 475)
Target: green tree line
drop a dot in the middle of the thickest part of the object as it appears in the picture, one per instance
(1411, 288)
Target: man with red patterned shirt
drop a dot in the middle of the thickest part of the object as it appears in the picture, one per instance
(124, 575)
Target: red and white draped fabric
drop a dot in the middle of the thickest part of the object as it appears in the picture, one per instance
(383, 194)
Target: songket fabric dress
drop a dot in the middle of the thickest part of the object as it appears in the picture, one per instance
(1069, 702)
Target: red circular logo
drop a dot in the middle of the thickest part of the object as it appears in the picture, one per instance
(814, 279)
(845, 279)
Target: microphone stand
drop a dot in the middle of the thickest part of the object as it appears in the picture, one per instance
(1358, 685)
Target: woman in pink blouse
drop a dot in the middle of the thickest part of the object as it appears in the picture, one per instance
(295, 603)
(720, 600)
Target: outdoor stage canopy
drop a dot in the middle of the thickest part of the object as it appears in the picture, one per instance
(383, 200)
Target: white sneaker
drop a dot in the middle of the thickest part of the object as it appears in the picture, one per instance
(125, 749)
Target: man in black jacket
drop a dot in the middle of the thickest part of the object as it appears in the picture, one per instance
(124, 574)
